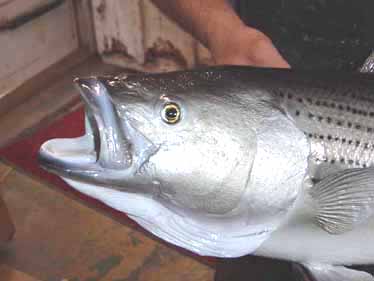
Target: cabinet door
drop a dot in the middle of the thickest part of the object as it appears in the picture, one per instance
(34, 34)
(135, 34)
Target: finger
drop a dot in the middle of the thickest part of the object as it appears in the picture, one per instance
(267, 55)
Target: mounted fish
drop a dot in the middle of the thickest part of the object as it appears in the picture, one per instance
(229, 161)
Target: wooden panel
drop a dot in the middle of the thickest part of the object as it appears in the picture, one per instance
(134, 34)
(49, 98)
(164, 40)
(41, 81)
(12, 8)
(4, 171)
(10, 274)
(58, 238)
(84, 19)
(36, 45)
(6, 225)
(118, 27)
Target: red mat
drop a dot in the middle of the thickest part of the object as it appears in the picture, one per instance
(23, 154)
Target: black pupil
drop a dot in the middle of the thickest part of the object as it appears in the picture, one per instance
(171, 113)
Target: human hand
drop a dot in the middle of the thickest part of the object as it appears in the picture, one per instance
(247, 46)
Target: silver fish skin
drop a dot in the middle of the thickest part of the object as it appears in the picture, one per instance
(228, 161)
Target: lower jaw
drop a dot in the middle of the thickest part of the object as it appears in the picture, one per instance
(93, 174)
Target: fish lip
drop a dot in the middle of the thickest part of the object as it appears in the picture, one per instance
(79, 158)
(66, 157)
(56, 166)
(73, 157)
(89, 170)
(115, 147)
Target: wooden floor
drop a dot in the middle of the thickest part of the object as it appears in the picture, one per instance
(59, 238)
(48, 100)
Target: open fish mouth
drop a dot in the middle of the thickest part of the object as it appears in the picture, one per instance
(111, 149)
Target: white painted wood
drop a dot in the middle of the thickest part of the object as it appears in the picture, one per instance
(118, 27)
(35, 46)
(135, 34)
(85, 27)
(163, 35)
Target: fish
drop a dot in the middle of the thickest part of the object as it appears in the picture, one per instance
(227, 161)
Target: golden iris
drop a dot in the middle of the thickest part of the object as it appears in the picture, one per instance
(171, 113)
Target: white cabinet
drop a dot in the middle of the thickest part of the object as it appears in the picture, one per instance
(135, 34)
(34, 34)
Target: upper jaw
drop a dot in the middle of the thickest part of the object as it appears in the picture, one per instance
(111, 149)
(114, 147)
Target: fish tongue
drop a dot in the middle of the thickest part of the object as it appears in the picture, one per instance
(114, 147)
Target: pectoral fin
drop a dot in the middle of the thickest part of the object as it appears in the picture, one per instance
(323, 272)
(344, 200)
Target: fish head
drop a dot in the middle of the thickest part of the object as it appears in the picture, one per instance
(179, 136)
(176, 152)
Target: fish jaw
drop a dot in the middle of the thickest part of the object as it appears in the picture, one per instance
(203, 235)
(111, 152)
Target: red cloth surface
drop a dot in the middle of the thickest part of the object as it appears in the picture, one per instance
(23, 153)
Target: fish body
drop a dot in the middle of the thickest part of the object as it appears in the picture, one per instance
(338, 121)
(228, 161)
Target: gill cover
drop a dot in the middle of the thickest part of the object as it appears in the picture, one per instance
(205, 138)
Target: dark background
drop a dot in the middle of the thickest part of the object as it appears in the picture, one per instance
(315, 34)
(310, 34)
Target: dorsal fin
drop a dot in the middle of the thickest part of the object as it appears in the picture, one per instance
(368, 66)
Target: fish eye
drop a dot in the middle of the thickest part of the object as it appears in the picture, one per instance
(171, 113)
